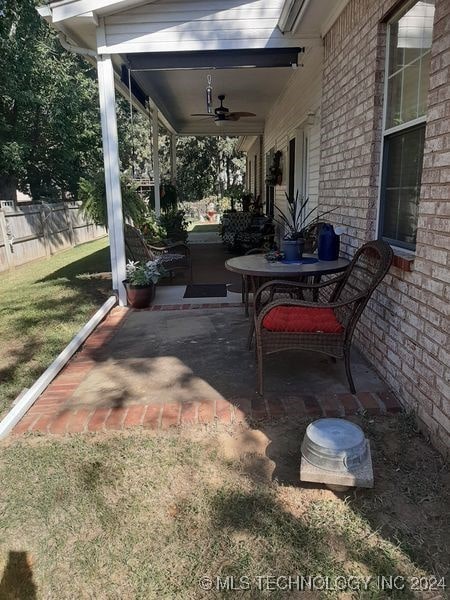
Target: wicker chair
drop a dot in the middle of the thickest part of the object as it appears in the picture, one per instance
(174, 258)
(292, 324)
(246, 282)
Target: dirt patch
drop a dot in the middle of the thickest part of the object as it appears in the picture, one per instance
(409, 502)
(142, 514)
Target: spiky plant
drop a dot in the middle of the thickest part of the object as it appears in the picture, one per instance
(297, 217)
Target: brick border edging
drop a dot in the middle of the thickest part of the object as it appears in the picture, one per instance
(46, 412)
(165, 416)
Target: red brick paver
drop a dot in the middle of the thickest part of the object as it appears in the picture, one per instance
(369, 403)
(53, 414)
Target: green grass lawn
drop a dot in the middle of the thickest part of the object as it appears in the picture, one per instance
(144, 515)
(42, 305)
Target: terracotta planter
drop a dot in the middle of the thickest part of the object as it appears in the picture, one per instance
(140, 296)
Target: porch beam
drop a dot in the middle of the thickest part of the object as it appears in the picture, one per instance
(112, 173)
(219, 59)
(155, 148)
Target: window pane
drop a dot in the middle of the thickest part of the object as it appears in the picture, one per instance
(423, 86)
(391, 212)
(403, 156)
(407, 222)
(410, 92)
(409, 43)
(396, 53)
(394, 101)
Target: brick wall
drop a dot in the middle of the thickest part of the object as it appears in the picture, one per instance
(405, 328)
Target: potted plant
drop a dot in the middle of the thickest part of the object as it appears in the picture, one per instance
(174, 221)
(141, 282)
(296, 222)
(151, 229)
(275, 172)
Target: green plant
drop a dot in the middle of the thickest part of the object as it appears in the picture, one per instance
(92, 193)
(296, 220)
(168, 195)
(151, 228)
(275, 172)
(142, 275)
(175, 223)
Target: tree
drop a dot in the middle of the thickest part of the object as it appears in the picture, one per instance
(207, 166)
(134, 140)
(49, 126)
(50, 133)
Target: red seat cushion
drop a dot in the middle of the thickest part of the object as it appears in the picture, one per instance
(297, 319)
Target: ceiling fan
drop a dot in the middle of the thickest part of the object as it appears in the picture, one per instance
(222, 113)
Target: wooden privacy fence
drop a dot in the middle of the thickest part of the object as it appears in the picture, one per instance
(41, 230)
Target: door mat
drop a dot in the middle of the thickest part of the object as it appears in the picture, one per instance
(205, 290)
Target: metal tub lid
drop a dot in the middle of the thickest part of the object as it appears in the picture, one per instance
(334, 445)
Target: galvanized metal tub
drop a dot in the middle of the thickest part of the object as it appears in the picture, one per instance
(334, 445)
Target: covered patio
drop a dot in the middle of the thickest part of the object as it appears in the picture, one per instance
(173, 64)
(185, 360)
(188, 364)
(314, 105)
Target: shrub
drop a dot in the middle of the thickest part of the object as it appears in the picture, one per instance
(175, 223)
(151, 228)
(92, 193)
(168, 197)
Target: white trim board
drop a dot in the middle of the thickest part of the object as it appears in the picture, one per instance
(30, 397)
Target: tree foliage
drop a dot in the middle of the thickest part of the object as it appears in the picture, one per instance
(208, 166)
(49, 126)
(50, 133)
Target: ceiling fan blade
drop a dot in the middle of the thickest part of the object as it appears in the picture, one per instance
(202, 115)
(238, 115)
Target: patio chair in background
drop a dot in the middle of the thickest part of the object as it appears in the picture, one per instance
(174, 258)
(325, 325)
(243, 231)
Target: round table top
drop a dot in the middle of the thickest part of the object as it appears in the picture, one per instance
(258, 266)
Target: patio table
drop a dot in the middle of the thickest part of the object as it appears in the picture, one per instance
(256, 268)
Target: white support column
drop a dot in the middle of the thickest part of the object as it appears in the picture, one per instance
(112, 173)
(173, 158)
(156, 174)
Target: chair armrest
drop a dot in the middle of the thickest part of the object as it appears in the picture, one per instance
(184, 248)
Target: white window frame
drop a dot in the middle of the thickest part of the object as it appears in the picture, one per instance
(389, 131)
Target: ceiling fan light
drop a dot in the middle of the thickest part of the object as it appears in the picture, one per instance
(219, 122)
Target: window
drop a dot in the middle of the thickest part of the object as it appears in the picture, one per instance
(407, 73)
(298, 175)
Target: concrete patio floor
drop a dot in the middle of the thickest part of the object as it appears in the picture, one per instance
(188, 364)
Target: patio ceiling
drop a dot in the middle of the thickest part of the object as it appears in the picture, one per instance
(180, 93)
(129, 28)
